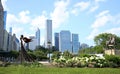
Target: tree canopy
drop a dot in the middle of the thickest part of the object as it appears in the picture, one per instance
(102, 38)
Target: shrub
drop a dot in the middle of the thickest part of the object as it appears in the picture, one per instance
(113, 60)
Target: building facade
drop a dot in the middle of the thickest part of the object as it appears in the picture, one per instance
(5, 16)
(48, 37)
(65, 41)
(34, 43)
(38, 36)
(1, 26)
(56, 40)
(5, 45)
(75, 43)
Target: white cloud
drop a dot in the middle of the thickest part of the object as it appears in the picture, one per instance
(114, 31)
(60, 13)
(20, 19)
(97, 1)
(4, 4)
(92, 9)
(38, 22)
(102, 19)
(24, 17)
(95, 4)
(82, 5)
(103, 13)
(93, 34)
(89, 6)
(11, 20)
(17, 31)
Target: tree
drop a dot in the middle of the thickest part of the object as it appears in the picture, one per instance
(14, 53)
(56, 55)
(40, 55)
(102, 38)
(67, 54)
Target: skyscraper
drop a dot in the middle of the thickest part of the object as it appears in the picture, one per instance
(10, 39)
(33, 44)
(1, 26)
(56, 41)
(75, 43)
(65, 41)
(48, 40)
(5, 16)
(38, 36)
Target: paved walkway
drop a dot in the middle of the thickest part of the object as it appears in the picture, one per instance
(46, 63)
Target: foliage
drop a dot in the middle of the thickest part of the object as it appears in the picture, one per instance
(102, 38)
(91, 50)
(90, 61)
(56, 55)
(14, 53)
(67, 55)
(113, 60)
(40, 55)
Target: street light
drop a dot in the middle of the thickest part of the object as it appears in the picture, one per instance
(49, 43)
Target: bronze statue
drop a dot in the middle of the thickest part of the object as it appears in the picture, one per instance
(111, 42)
(23, 56)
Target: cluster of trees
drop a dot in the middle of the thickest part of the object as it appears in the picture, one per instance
(100, 41)
(40, 53)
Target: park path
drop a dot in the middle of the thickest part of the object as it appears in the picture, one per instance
(46, 63)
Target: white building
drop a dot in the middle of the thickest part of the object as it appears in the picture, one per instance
(38, 35)
(48, 37)
(34, 43)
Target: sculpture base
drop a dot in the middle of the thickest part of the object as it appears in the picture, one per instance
(112, 52)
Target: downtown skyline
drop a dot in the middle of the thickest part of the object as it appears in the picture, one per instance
(87, 18)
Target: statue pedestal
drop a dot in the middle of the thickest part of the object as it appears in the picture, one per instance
(110, 51)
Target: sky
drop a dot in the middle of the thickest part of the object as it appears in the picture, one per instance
(88, 18)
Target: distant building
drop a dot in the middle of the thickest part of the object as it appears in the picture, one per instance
(56, 41)
(17, 44)
(12, 41)
(5, 16)
(75, 43)
(14, 45)
(38, 36)
(65, 41)
(5, 45)
(48, 37)
(84, 45)
(34, 43)
(1, 26)
(9, 43)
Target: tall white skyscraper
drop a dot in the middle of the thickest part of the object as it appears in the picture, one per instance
(38, 36)
(48, 40)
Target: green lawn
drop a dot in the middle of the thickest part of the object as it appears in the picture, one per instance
(44, 70)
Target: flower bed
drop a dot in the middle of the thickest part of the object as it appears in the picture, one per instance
(92, 62)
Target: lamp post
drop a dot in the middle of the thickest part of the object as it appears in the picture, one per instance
(49, 43)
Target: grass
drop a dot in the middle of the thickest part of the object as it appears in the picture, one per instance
(44, 70)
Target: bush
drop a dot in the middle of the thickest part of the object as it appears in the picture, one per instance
(4, 64)
(113, 60)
